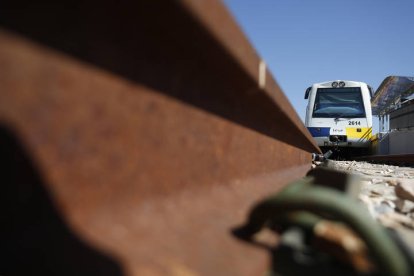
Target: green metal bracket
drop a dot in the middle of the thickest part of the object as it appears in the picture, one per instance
(301, 198)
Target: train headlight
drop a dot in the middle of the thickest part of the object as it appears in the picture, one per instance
(341, 84)
(335, 84)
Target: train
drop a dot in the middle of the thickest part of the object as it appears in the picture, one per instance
(339, 116)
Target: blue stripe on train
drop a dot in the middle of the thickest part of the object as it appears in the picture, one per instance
(319, 131)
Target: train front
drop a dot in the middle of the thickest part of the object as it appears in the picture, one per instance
(339, 115)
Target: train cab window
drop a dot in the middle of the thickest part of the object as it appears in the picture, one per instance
(371, 91)
(345, 102)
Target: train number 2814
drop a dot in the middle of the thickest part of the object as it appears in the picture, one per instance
(354, 123)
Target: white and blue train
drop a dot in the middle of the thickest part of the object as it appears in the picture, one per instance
(339, 115)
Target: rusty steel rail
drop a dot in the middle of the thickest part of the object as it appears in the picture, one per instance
(407, 159)
(134, 137)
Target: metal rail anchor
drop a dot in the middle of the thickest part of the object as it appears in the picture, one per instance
(305, 197)
(321, 157)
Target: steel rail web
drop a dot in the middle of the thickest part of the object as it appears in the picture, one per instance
(134, 137)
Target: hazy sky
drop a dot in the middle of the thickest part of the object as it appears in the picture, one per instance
(305, 42)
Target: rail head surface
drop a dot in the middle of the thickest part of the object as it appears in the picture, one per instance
(221, 25)
(140, 134)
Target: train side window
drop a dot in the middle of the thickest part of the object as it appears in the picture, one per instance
(307, 93)
(371, 93)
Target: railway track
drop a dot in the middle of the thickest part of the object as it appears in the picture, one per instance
(135, 140)
(399, 159)
(135, 137)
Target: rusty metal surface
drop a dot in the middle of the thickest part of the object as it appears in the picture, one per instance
(150, 128)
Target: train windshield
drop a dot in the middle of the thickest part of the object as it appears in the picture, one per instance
(345, 102)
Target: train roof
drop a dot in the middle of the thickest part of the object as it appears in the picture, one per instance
(329, 83)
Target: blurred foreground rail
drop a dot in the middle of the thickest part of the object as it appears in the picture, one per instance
(134, 137)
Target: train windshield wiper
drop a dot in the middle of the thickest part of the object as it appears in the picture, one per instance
(340, 116)
(348, 115)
